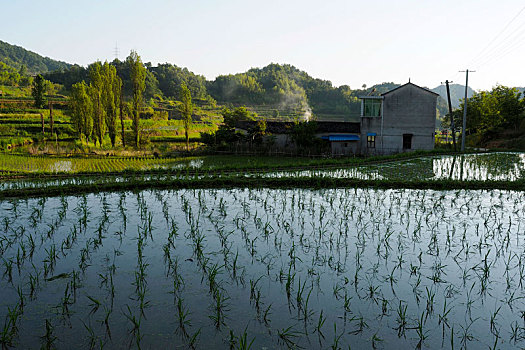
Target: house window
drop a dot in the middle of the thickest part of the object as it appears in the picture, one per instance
(371, 141)
(372, 107)
(407, 141)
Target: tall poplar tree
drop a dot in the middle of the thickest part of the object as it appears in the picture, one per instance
(119, 88)
(110, 99)
(96, 88)
(138, 82)
(186, 109)
(38, 90)
(81, 110)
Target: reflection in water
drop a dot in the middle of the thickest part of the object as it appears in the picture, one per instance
(481, 167)
(493, 166)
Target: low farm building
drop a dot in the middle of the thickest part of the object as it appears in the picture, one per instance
(400, 120)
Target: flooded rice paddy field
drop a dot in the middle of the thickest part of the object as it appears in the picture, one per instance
(267, 268)
(64, 165)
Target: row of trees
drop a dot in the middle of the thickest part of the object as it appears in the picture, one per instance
(96, 107)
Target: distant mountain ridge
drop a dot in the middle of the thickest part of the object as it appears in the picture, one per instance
(457, 93)
(16, 57)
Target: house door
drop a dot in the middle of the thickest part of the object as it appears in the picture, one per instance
(407, 141)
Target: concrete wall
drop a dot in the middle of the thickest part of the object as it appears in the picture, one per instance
(407, 110)
(283, 141)
(370, 125)
(345, 148)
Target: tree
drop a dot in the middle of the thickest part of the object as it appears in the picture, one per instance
(81, 109)
(186, 109)
(257, 133)
(170, 78)
(303, 134)
(110, 99)
(509, 104)
(96, 92)
(138, 82)
(491, 113)
(231, 117)
(121, 110)
(38, 90)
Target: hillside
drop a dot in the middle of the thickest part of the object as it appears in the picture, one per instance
(284, 90)
(16, 57)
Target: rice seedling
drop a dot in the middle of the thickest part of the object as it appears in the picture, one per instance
(10, 328)
(337, 339)
(183, 319)
(48, 339)
(288, 336)
(244, 343)
(135, 326)
(319, 325)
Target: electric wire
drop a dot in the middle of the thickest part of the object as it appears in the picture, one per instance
(497, 36)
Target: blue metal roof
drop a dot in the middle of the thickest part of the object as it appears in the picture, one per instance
(343, 138)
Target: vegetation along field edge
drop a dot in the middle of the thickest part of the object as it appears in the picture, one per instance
(134, 184)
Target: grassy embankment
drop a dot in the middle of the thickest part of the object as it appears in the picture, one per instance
(136, 184)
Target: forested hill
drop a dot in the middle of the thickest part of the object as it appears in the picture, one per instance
(284, 88)
(277, 90)
(16, 57)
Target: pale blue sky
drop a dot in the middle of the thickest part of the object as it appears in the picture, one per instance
(346, 42)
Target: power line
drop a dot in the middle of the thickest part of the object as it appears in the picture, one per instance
(491, 53)
(499, 34)
(516, 36)
(505, 49)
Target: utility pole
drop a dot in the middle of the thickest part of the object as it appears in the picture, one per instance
(451, 116)
(463, 134)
